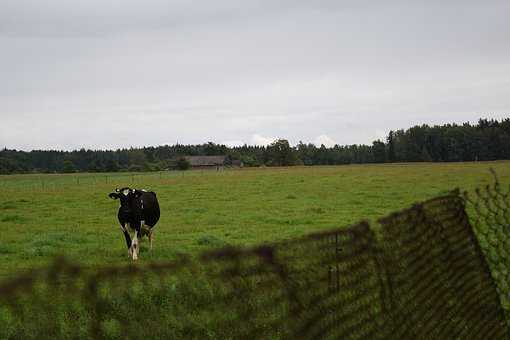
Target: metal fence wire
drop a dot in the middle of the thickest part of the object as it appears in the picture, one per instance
(490, 208)
(417, 274)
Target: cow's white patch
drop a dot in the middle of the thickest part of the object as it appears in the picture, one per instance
(125, 192)
(122, 228)
(135, 247)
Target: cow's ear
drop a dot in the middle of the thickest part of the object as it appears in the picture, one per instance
(113, 195)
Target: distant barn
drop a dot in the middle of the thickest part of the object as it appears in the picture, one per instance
(207, 162)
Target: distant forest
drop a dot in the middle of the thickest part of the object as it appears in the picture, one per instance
(485, 141)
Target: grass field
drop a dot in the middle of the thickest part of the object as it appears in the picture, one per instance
(45, 215)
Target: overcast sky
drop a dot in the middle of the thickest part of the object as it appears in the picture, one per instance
(120, 73)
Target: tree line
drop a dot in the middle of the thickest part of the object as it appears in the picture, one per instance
(487, 140)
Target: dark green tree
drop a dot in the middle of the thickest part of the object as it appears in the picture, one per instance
(68, 166)
(391, 148)
(111, 165)
(379, 151)
(183, 164)
(279, 153)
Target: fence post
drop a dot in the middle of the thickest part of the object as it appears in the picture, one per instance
(337, 249)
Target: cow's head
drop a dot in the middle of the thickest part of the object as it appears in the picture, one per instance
(129, 202)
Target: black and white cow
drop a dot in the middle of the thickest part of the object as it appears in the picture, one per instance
(138, 212)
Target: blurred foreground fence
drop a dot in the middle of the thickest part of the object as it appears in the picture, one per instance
(418, 274)
(490, 207)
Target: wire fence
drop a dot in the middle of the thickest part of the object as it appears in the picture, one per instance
(418, 273)
(491, 220)
(58, 182)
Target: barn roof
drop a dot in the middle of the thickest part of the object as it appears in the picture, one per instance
(206, 160)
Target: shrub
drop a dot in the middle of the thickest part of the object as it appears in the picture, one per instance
(183, 164)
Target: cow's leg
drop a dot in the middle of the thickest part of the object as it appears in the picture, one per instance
(130, 250)
(135, 244)
(151, 237)
(126, 236)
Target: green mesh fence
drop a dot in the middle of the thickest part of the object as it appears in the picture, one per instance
(439, 283)
(490, 207)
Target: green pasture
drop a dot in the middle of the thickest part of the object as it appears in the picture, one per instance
(46, 215)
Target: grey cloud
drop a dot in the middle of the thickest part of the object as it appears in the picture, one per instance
(96, 18)
(229, 70)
